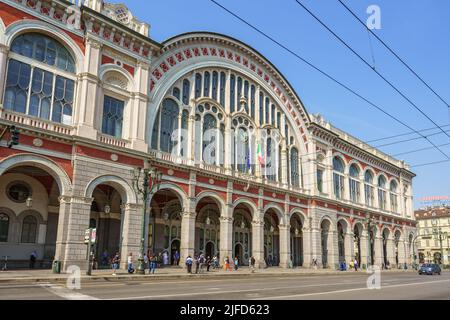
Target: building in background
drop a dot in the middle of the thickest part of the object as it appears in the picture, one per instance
(433, 230)
(94, 98)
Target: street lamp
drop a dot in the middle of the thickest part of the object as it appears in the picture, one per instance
(151, 180)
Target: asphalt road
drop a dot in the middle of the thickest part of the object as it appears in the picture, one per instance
(349, 286)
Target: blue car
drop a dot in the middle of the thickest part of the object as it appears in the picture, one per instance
(430, 269)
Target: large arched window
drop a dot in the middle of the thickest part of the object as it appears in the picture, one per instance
(243, 146)
(4, 227)
(209, 134)
(29, 230)
(354, 183)
(209, 139)
(338, 177)
(40, 79)
(368, 188)
(394, 199)
(295, 174)
(382, 193)
(168, 124)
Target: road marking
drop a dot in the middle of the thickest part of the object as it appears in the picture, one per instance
(350, 290)
(66, 293)
(222, 292)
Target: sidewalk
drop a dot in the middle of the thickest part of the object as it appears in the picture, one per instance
(169, 273)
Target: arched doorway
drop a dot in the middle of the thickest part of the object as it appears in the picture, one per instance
(396, 243)
(385, 237)
(271, 238)
(296, 241)
(207, 227)
(341, 241)
(29, 214)
(164, 224)
(372, 235)
(106, 216)
(357, 231)
(242, 234)
(325, 229)
(174, 248)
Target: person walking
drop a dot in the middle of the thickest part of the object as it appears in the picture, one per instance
(115, 263)
(176, 258)
(153, 262)
(189, 264)
(236, 264)
(356, 265)
(196, 263)
(208, 263)
(252, 263)
(146, 262)
(165, 258)
(227, 264)
(201, 262)
(351, 265)
(130, 263)
(33, 258)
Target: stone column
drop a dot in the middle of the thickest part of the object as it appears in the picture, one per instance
(74, 215)
(316, 242)
(88, 109)
(333, 249)
(378, 250)
(285, 245)
(364, 249)
(390, 248)
(4, 50)
(349, 247)
(139, 104)
(226, 237)
(187, 234)
(258, 241)
(306, 246)
(131, 233)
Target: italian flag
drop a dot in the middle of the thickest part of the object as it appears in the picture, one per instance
(259, 154)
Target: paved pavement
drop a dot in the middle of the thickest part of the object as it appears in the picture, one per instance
(263, 286)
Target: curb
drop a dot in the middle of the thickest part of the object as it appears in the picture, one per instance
(63, 278)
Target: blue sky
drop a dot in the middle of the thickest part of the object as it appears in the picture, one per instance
(418, 30)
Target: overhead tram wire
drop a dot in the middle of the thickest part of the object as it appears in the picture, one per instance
(371, 67)
(396, 55)
(419, 150)
(405, 134)
(328, 76)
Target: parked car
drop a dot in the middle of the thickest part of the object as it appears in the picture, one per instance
(430, 269)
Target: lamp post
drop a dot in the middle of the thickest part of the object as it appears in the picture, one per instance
(439, 235)
(151, 180)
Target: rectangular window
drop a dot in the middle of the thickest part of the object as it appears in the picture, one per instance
(368, 190)
(394, 205)
(113, 117)
(354, 190)
(382, 199)
(338, 186)
(320, 180)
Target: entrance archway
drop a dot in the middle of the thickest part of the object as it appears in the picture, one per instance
(325, 229)
(164, 223)
(385, 237)
(107, 217)
(357, 232)
(271, 238)
(341, 240)
(242, 234)
(296, 241)
(207, 226)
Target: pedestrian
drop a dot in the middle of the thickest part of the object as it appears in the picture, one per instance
(146, 262)
(130, 263)
(176, 258)
(227, 264)
(165, 258)
(201, 262)
(196, 263)
(33, 258)
(104, 261)
(159, 260)
(215, 262)
(189, 264)
(351, 265)
(153, 263)
(236, 264)
(115, 263)
(252, 263)
(315, 263)
(356, 265)
(208, 263)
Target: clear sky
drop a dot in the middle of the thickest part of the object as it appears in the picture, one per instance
(418, 30)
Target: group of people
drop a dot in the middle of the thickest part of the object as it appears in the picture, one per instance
(198, 263)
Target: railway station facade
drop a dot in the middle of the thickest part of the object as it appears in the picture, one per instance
(245, 169)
